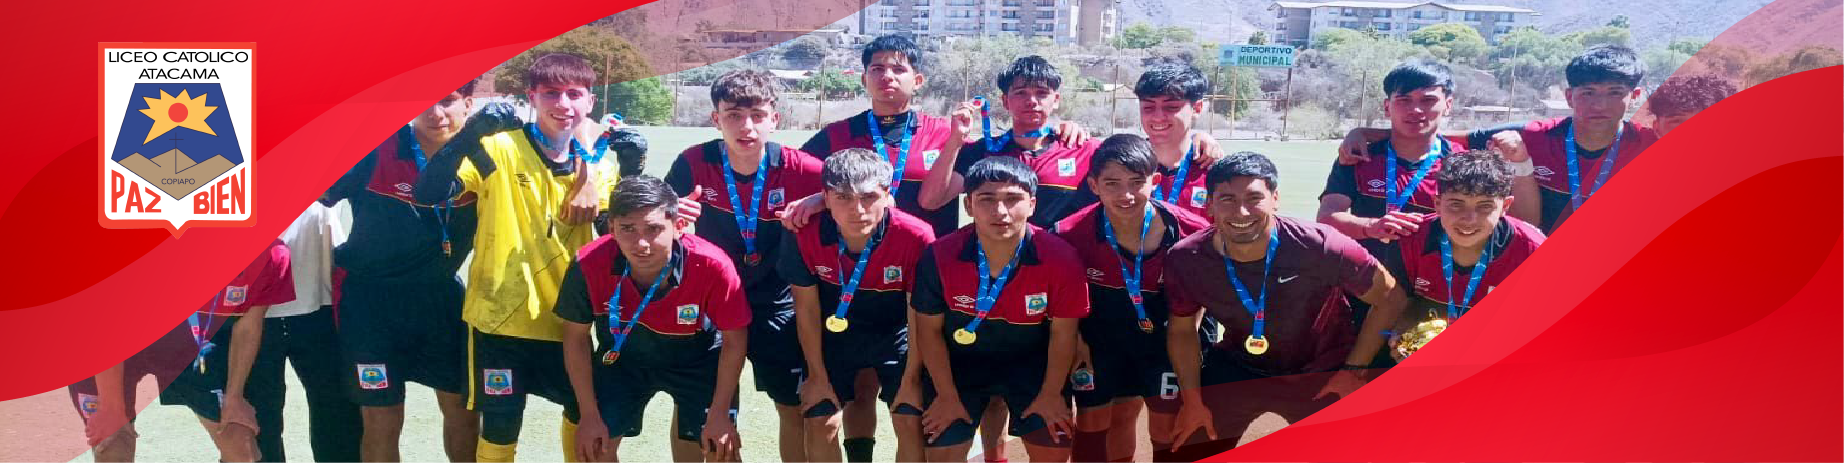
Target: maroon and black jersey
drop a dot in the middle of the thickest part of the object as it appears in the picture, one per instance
(930, 134)
(1102, 261)
(1546, 142)
(392, 236)
(792, 174)
(1193, 195)
(1060, 170)
(1046, 284)
(1308, 320)
(878, 314)
(700, 292)
(1418, 265)
(1365, 184)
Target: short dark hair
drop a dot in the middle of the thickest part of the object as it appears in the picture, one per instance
(1242, 164)
(642, 193)
(562, 69)
(893, 43)
(744, 88)
(1606, 64)
(1682, 95)
(1001, 169)
(1417, 74)
(848, 168)
(467, 89)
(1028, 70)
(1129, 151)
(1475, 172)
(1176, 80)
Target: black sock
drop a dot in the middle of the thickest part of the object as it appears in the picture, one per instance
(1090, 446)
(858, 449)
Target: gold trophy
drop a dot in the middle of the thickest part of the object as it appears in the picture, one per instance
(1412, 340)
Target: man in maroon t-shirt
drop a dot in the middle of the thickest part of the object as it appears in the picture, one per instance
(1458, 256)
(682, 291)
(1283, 311)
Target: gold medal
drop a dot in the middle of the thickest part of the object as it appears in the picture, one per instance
(836, 324)
(609, 358)
(1256, 345)
(965, 337)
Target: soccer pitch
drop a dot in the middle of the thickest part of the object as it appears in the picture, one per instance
(171, 433)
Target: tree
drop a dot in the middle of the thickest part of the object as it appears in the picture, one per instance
(1325, 41)
(1138, 36)
(833, 83)
(806, 49)
(1793, 62)
(1619, 21)
(1451, 41)
(1531, 57)
(1687, 46)
(1259, 38)
(1661, 63)
(613, 59)
(645, 101)
(1177, 34)
(1608, 35)
(1363, 63)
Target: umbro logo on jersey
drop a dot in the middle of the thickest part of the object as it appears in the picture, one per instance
(1545, 171)
(964, 300)
(1377, 183)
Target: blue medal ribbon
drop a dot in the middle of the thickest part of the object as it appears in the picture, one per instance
(1395, 202)
(994, 145)
(444, 211)
(199, 336)
(901, 162)
(1576, 196)
(1177, 182)
(746, 217)
(850, 288)
(576, 147)
(1466, 299)
(1132, 278)
(989, 287)
(1256, 306)
(618, 328)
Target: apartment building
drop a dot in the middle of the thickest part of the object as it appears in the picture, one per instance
(1296, 23)
(1064, 21)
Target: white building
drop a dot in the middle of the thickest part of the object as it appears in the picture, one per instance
(1064, 21)
(1296, 23)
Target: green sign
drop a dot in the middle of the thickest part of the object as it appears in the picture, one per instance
(1265, 56)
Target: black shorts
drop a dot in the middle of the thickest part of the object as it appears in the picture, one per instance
(683, 367)
(977, 381)
(884, 353)
(506, 369)
(1127, 363)
(774, 355)
(203, 391)
(400, 330)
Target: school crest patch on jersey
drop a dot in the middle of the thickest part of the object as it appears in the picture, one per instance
(235, 295)
(777, 197)
(1034, 304)
(177, 119)
(688, 314)
(893, 274)
(1066, 167)
(1198, 196)
(87, 404)
(373, 376)
(497, 382)
(929, 157)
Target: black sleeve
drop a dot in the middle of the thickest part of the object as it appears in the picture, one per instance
(927, 297)
(969, 153)
(820, 145)
(790, 265)
(1342, 181)
(573, 297)
(680, 177)
(352, 182)
(1478, 138)
(439, 182)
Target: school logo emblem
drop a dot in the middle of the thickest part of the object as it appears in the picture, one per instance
(235, 295)
(1066, 167)
(776, 197)
(929, 157)
(1034, 304)
(893, 274)
(688, 314)
(498, 382)
(87, 405)
(176, 135)
(373, 376)
(1198, 195)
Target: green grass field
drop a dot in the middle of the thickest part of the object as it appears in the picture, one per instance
(173, 434)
